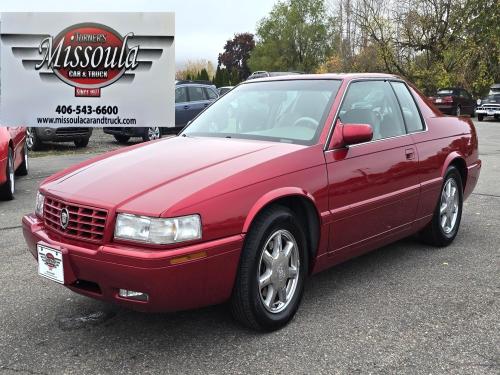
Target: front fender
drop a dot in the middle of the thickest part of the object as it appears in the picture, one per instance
(272, 196)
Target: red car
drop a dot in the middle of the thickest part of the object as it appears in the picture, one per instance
(13, 159)
(279, 179)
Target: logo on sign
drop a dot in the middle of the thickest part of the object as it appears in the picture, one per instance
(64, 219)
(88, 56)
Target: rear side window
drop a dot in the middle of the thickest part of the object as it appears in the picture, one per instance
(196, 94)
(373, 103)
(409, 108)
(211, 95)
(180, 95)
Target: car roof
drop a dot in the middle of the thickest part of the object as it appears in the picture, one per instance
(342, 76)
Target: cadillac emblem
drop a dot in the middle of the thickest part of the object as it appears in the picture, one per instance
(64, 218)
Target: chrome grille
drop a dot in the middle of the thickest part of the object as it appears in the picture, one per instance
(85, 223)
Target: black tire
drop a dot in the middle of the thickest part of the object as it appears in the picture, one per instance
(246, 301)
(473, 113)
(24, 167)
(434, 234)
(82, 142)
(458, 111)
(151, 133)
(480, 117)
(32, 140)
(123, 139)
(7, 189)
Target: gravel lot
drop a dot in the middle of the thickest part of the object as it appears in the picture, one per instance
(405, 308)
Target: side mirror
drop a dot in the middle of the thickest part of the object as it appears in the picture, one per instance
(356, 133)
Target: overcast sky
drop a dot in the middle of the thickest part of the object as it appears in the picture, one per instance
(202, 27)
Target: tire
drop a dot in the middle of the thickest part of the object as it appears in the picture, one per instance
(287, 273)
(24, 167)
(123, 139)
(82, 142)
(7, 190)
(480, 117)
(150, 134)
(458, 111)
(32, 140)
(435, 233)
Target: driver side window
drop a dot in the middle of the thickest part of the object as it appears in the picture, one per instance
(373, 103)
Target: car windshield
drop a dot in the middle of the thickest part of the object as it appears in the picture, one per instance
(292, 111)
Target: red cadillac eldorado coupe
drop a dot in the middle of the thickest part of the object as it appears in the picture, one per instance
(13, 159)
(277, 180)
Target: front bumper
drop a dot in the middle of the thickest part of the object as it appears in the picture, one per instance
(171, 279)
(62, 134)
(127, 131)
(488, 111)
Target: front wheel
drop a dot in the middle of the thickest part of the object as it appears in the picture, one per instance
(272, 272)
(480, 117)
(443, 228)
(24, 167)
(33, 142)
(8, 188)
(150, 134)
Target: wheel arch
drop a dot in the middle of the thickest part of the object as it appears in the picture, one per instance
(302, 204)
(457, 160)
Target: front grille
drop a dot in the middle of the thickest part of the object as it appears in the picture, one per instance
(490, 107)
(85, 223)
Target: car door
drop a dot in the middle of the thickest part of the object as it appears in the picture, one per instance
(197, 101)
(181, 106)
(374, 186)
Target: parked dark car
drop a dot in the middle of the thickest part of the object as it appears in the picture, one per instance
(36, 137)
(454, 101)
(490, 105)
(191, 97)
(224, 90)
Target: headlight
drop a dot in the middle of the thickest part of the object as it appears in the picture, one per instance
(40, 200)
(478, 102)
(156, 230)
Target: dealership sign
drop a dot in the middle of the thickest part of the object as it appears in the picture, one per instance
(87, 69)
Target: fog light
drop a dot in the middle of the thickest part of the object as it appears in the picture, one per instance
(139, 296)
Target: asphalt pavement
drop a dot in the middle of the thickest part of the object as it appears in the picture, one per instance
(404, 309)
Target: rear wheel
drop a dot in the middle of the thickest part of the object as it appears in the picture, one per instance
(150, 134)
(443, 228)
(272, 271)
(82, 142)
(122, 138)
(8, 188)
(458, 111)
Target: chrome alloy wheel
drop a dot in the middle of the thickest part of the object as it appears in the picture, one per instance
(278, 271)
(448, 208)
(153, 133)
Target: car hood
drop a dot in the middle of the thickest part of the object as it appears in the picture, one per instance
(150, 179)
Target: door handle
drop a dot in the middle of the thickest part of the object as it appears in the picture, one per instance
(410, 153)
(206, 105)
(186, 107)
